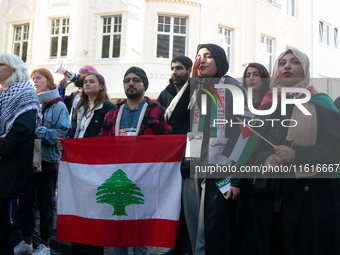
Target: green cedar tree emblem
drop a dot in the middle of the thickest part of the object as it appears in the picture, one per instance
(119, 191)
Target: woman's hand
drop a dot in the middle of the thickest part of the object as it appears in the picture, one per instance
(285, 153)
(60, 143)
(273, 160)
(194, 71)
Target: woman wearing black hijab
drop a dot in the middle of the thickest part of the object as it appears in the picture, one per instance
(209, 216)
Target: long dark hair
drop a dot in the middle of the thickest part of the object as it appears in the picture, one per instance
(265, 76)
(101, 97)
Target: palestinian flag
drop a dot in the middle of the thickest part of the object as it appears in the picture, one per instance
(241, 144)
(120, 191)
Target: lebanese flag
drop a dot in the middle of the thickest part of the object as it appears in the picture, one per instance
(120, 191)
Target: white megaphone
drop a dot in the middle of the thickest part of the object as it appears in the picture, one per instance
(69, 76)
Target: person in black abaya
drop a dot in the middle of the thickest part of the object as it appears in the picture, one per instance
(210, 217)
(299, 213)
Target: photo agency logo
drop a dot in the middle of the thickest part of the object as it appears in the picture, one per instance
(288, 96)
(204, 97)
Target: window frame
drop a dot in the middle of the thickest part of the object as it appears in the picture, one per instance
(111, 35)
(172, 34)
(21, 41)
(264, 53)
(228, 47)
(336, 38)
(322, 38)
(60, 35)
(291, 8)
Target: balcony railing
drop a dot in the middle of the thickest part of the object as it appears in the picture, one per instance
(273, 3)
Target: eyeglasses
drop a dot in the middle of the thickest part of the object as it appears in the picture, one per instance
(134, 80)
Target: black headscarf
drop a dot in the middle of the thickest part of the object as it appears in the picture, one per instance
(219, 56)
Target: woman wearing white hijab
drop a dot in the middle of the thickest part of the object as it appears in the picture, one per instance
(299, 213)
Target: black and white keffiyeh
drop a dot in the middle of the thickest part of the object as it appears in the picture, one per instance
(15, 100)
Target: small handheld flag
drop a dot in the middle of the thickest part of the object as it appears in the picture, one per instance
(242, 143)
(248, 131)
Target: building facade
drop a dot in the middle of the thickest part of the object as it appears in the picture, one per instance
(113, 35)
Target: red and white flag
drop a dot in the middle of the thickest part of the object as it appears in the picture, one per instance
(120, 191)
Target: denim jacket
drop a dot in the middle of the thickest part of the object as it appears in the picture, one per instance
(56, 123)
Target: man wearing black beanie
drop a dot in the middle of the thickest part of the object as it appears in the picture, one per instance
(136, 115)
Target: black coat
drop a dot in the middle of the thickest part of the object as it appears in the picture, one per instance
(306, 217)
(219, 213)
(96, 122)
(16, 151)
(165, 98)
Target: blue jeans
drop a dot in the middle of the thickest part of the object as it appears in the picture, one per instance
(136, 250)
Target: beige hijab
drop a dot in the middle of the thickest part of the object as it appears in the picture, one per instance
(300, 83)
(304, 134)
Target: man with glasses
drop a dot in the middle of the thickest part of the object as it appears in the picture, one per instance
(136, 115)
(72, 100)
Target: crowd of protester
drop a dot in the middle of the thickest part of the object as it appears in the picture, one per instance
(299, 214)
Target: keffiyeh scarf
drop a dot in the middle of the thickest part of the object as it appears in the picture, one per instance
(15, 100)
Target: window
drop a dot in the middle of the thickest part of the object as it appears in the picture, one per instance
(290, 7)
(336, 38)
(59, 37)
(111, 36)
(224, 37)
(267, 53)
(323, 33)
(171, 37)
(20, 41)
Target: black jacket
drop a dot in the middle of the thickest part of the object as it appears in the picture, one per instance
(165, 98)
(16, 151)
(96, 122)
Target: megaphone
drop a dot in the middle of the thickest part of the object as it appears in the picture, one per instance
(69, 76)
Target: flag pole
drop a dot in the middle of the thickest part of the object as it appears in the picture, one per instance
(255, 132)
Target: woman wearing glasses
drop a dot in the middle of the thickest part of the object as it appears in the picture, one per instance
(86, 122)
